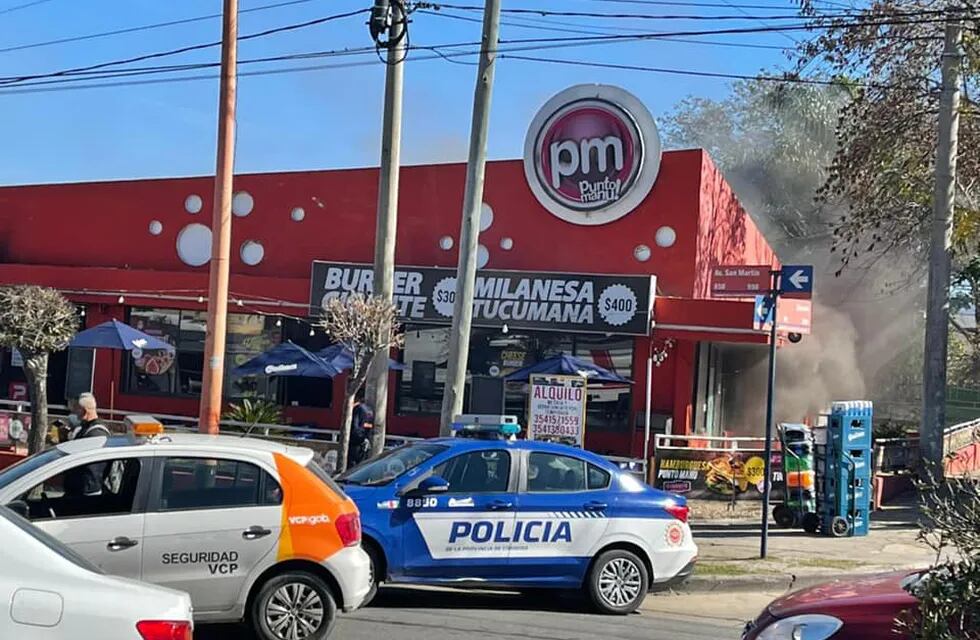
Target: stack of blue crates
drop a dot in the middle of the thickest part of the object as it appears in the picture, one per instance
(844, 469)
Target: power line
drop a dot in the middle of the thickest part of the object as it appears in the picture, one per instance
(195, 47)
(145, 27)
(676, 3)
(547, 26)
(26, 5)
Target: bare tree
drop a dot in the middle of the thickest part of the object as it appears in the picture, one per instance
(366, 326)
(36, 321)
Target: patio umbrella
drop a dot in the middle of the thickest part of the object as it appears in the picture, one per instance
(118, 335)
(342, 359)
(288, 359)
(568, 366)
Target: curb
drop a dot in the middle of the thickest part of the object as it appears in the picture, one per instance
(756, 583)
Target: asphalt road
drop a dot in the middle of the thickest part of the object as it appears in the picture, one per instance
(418, 614)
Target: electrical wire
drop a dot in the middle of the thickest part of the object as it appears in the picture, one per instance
(187, 49)
(26, 5)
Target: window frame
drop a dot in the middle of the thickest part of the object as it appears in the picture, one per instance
(140, 498)
(526, 465)
(513, 471)
(155, 494)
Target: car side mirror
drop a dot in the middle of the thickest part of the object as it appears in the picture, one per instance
(432, 485)
(20, 508)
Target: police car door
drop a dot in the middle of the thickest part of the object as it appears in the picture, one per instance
(211, 522)
(464, 533)
(564, 507)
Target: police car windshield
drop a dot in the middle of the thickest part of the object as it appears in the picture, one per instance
(29, 464)
(391, 465)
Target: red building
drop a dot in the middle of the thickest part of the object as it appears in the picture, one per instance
(138, 251)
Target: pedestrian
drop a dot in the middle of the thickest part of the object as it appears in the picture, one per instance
(84, 421)
(361, 424)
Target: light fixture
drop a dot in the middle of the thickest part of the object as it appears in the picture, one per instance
(278, 322)
(239, 303)
(200, 299)
(122, 299)
(505, 328)
(312, 332)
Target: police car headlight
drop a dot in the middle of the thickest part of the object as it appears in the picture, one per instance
(805, 627)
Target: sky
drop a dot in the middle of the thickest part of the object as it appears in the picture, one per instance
(330, 118)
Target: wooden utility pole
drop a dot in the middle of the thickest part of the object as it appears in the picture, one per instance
(214, 345)
(393, 17)
(937, 305)
(459, 339)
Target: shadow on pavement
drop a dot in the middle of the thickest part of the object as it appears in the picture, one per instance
(528, 600)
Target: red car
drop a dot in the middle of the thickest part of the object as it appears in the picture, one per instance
(862, 609)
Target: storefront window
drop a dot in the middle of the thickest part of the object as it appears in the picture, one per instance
(493, 353)
(181, 373)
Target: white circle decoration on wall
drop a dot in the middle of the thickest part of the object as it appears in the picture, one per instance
(242, 204)
(194, 245)
(506, 244)
(486, 216)
(482, 256)
(592, 154)
(666, 237)
(446, 243)
(297, 214)
(156, 227)
(252, 252)
(641, 252)
(193, 204)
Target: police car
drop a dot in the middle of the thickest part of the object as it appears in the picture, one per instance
(518, 514)
(250, 529)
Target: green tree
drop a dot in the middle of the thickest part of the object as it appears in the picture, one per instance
(36, 321)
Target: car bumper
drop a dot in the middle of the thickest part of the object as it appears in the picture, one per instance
(678, 578)
(351, 568)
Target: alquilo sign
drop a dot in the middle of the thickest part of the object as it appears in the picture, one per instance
(518, 299)
(592, 154)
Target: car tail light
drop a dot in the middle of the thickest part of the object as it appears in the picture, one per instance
(349, 529)
(677, 511)
(165, 630)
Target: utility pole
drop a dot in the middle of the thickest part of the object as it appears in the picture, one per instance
(390, 17)
(937, 305)
(459, 339)
(770, 411)
(214, 345)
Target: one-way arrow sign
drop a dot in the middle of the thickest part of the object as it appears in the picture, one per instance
(796, 281)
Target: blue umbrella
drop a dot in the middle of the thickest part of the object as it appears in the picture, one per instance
(118, 335)
(567, 366)
(342, 359)
(288, 359)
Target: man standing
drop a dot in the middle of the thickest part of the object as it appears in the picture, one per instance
(362, 421)
(84, 421)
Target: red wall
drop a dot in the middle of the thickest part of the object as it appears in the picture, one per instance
(93, 240)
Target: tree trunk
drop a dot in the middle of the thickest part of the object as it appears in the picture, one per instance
(36, 371)
(345, 420)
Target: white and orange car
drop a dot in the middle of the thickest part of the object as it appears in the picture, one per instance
(251, 529)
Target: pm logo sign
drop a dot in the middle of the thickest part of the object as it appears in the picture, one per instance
(592, 154)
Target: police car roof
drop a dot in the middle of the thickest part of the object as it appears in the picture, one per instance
(199, 441)
(460, 443)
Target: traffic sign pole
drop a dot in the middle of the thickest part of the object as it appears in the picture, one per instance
(770, 402)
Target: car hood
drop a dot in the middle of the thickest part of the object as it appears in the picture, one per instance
(842, 594)
(357, 493)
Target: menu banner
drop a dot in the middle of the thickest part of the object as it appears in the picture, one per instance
(556, 409)
(518, 299)
(717, 475)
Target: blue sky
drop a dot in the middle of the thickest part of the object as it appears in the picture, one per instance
(327, 118)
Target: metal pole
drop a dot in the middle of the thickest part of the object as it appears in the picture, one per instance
(937, 305)
(387, 222)
(459, 339)
(214, 344)
(647, 414)
(770, 404)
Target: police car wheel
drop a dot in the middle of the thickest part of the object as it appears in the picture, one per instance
(375, 579)
(618, 582)
(293, 606)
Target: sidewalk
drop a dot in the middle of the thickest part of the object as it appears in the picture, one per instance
(729, 552)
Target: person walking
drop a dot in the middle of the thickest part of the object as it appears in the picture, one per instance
(362, 423)
(84, 421)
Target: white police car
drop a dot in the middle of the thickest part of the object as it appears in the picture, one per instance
(519, 514)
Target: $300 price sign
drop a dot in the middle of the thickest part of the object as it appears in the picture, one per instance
(557, 407)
